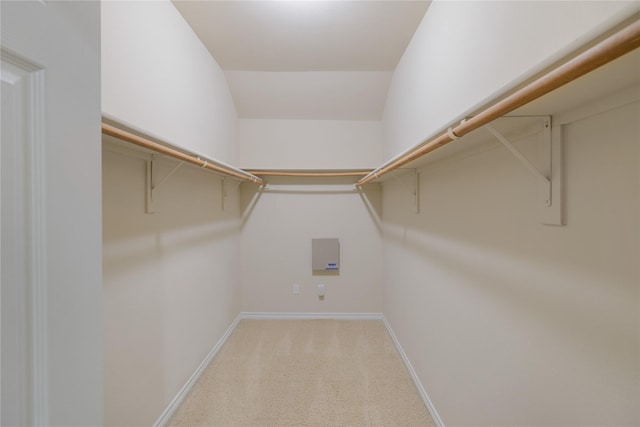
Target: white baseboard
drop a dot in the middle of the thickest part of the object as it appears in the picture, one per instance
(425, 398)
(165, 417)
(312, 316)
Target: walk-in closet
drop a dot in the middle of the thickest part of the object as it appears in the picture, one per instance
(322, 213)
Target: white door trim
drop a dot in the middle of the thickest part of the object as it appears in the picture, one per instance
(32, 178)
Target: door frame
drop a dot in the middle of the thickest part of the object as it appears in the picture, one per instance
(29, 177)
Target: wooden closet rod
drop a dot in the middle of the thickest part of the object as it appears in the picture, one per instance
(310, 174)
(207, 164)
(620, 43)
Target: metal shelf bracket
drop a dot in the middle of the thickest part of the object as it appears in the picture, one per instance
(224, 191)
(151, 185)
(548, 174)
(413, 188)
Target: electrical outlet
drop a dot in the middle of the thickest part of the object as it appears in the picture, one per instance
(296, 289)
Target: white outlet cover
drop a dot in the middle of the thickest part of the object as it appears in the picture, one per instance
(296, 289)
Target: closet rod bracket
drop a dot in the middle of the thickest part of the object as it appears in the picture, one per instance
(151, 185)
(225, 192)
(546, 170)
(413, 188)
(518, 155)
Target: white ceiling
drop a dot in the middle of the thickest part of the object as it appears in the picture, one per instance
(306, 59)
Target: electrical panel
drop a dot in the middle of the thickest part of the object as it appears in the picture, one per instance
(325, 254)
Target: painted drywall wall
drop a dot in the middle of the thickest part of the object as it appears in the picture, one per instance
(61, 41)
(278, 225)
(507, 321)
(310, 95)
(309, 144)
(158, 77)
(171, 281)
(465, 52)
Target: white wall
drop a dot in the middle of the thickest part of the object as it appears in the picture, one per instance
(63, 39)
(171, 279)
(464, 52)
(310, 95)
(171, 282)
(159, 77)
(309, 144)
(507, 321)
(279, 224)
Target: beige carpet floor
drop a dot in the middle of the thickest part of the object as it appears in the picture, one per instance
(305, 373)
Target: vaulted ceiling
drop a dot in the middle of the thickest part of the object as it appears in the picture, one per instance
(306, 59)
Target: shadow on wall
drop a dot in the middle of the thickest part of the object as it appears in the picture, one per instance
(372, 198)
(477, 237)
(188, 211)
(527, 285)
(130, 254)
(371, 195)
(249, 197)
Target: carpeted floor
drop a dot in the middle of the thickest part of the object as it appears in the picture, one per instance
(305, 373)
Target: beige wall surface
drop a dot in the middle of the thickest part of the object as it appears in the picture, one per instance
(309, 144)
(158, 77)
(278, 225)
(464, 53)
(510, 322)
(171, 282)
(171, 279)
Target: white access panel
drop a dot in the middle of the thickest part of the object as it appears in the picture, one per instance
(325, 254)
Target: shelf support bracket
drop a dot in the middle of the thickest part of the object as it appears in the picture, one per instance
(416, 190)
(225, 193)
(518, 155)
(151, 186)
(413, 189)
(149, 205)
(548, 176)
